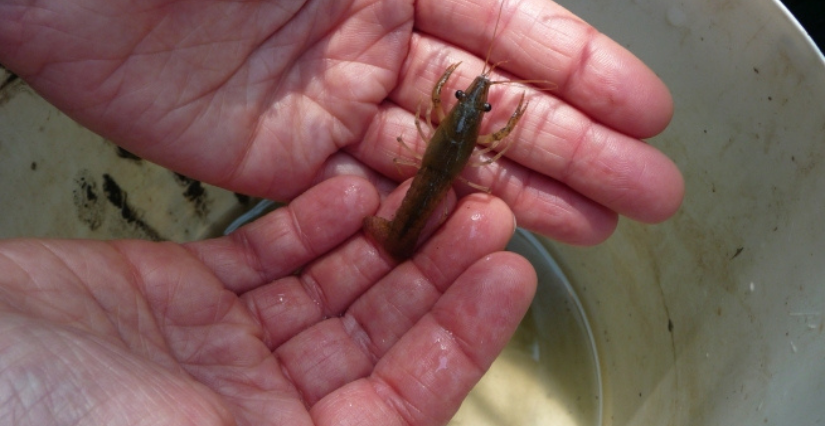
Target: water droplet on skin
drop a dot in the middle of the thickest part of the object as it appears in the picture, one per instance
(442, 364)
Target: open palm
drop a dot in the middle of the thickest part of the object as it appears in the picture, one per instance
(269, 97)
(224, 331)
(250, 95)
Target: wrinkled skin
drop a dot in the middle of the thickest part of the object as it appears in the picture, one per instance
(289, 100)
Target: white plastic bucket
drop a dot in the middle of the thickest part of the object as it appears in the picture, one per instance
(716, 316)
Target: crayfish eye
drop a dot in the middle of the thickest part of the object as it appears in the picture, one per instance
(459, 94)
(487, 107)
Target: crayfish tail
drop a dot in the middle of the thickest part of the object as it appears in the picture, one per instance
(379, 229)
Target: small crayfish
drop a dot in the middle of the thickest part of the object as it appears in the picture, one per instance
(448, 152)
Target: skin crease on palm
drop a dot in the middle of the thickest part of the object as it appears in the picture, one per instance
(302, 101)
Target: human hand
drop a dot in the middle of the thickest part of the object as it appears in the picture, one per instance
(225, 331)
(268, 98)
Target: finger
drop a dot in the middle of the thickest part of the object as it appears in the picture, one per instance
(425, 376)
(541, 40)
(544, 205)
(480, 225)
(380, 147)
(344, 164)
(386, 310)
(623, 174)
(328, 285)
(286, 239)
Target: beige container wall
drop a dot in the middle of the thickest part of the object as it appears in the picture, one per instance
(716, 316)
(60, 180)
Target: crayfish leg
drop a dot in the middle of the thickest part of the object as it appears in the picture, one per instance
(493, 140)
(473, 185)
(416, 162)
